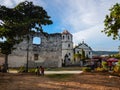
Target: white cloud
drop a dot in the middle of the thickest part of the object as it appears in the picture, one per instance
(86, 19)
(81, 14)
(87, 34)
(85, 13)
(12, 3)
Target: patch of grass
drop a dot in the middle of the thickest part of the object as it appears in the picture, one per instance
(51, 69)
(63, 69)
(86, 69)
(59, 76)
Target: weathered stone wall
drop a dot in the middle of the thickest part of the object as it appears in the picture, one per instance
(49, 51)
(16, 61)
(1, 60)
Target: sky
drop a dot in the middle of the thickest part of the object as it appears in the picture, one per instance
(84, 19)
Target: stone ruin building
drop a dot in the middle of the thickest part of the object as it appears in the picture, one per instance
(54, 50)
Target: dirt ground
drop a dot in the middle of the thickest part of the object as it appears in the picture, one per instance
(84, 81)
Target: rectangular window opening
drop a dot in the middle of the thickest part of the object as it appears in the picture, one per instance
(35, 56)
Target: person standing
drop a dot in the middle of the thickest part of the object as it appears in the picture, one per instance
(37, 71)
(110, 66)
(41, 71)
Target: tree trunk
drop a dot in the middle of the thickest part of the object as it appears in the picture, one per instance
(27, 54)
(27, 59)
(6, 63)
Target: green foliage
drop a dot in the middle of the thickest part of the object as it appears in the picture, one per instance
(5, 50)
(83, 55)
(117, 67)
(32, 70)
(104, 65)
(63, 69)
(33, 16)
(112, 22)
(22, 69)
(77, 56)
(118, 64)
(86, 69)
(117, 56)
(100, 69)
(60, 76)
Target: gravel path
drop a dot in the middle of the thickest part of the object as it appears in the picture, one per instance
(54, 72)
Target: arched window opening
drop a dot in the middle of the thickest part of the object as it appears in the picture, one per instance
(68, 37)
(68, 45)
(37, 40)
(69, 54)
(89, 53)
(63, 37)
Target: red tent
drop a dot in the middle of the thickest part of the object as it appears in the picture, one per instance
(112, 60)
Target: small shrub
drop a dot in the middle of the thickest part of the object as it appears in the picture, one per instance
(22, 69)
(31, 70)
(86, 69)
(104, 65)
(117, 67)
(100, 69)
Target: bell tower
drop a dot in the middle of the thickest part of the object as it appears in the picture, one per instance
(67, 47)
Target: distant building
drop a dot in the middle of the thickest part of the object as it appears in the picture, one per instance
(87, 49)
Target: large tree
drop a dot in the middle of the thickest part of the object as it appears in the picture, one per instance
(17, 22)
(112, 22)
